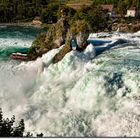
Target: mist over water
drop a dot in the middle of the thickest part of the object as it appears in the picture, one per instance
(80, 95)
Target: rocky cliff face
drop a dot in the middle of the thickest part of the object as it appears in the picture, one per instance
(45, 42)
(81, 30)
(59, 34)
(126, 27)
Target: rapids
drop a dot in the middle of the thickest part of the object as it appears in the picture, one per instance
(82, 95)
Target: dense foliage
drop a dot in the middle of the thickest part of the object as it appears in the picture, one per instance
(93, 15)
(15, 10)
(26, 10)
(9, 129)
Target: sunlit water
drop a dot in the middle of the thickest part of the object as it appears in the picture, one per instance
(80, 96)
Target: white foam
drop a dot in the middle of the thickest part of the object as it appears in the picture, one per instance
(90, 51)
(13, 42)
(79, 96)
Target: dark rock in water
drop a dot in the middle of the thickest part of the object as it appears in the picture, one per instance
(80, 30)
(59, 34)
(82, 41)
(66, 49)
(59, 56)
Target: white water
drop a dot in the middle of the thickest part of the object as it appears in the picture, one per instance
(80, 95)
(15, 42)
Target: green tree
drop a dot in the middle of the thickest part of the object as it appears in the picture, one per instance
(128, 3)
(122, 7)
(67, 11)
(93, 15)
(8, 129)
(49, 14)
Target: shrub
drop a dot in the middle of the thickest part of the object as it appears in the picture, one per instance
(8, 128)
(49, 14)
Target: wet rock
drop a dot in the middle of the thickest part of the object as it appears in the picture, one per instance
(59, 56)
(66, 49)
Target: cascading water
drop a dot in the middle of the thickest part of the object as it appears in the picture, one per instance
(81, 95)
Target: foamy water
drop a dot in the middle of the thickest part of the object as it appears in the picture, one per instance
(82, 95)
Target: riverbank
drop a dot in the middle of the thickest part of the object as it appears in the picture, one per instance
(126, 25)
(28, 24)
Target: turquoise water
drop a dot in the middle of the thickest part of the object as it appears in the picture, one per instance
(19, 32)
(16, 39)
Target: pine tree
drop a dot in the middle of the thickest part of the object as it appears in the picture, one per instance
(7, 128)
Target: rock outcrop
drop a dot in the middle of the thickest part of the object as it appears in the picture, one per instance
(126, 27)
(37, 21)
(45, 42)
(80, 31)
(59, 34)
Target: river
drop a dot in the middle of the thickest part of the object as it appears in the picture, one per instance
(76, 97)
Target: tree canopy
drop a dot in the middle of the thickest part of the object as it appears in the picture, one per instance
(26, 10)
(9, 129)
